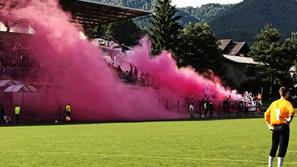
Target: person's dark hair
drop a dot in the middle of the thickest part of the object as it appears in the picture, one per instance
(283, 91)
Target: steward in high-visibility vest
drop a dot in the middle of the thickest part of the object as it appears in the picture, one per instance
(17, 113)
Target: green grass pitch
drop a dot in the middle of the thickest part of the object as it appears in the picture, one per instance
(219, 143)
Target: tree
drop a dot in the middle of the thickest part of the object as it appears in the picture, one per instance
(98, 31)
(274, 56)
(164, 29)
(200, 49)
(126, 32)
(291, 45)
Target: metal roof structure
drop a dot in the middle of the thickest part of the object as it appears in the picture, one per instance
(240, 59)
(7, 83)
(20, 88)
(92, 13)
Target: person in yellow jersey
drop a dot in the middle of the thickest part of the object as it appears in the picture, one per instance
(17, 113)
(278, 118)
(68, 112)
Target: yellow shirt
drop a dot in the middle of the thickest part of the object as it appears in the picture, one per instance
(278, 111)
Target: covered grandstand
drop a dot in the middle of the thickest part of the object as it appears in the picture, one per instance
(90, 13)
(15, 62)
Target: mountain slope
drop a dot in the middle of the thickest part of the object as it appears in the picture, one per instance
(244, 20)
(206, 12)
(140, 4)
(189, 14)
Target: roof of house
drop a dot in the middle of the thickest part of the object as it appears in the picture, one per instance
(231, 47)
(240, 59)
(237, 47)
(224, 43)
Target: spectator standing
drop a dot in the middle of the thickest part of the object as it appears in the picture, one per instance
(68, 110)
(205, 107)
(191, 110)
(2, 114)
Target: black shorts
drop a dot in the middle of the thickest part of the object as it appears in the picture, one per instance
(280, 138)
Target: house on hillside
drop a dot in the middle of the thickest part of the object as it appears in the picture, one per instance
(236, 61)
(236, 68)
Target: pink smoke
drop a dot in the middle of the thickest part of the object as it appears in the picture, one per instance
(183, 81)
(71, 70)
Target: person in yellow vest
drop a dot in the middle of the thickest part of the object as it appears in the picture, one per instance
(68, 112)
(17, 113)
(278, 118)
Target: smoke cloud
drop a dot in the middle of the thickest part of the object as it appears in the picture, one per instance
(72, 71)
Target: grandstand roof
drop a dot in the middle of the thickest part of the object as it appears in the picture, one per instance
(92, 13)
(20, 88)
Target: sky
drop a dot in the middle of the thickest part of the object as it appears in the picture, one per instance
(195, 3)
